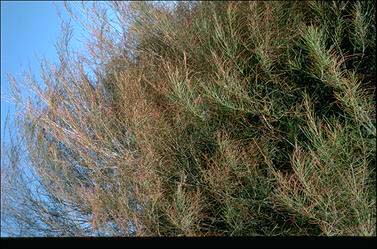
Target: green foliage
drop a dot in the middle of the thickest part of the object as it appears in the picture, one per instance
(222, 118)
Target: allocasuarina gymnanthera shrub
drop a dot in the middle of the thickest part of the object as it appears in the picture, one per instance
(207, 118)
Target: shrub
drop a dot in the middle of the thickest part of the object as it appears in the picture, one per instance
(210, 118)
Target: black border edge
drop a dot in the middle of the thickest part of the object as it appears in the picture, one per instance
(190, 242)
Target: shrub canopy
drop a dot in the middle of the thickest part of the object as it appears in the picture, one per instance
(205, 118)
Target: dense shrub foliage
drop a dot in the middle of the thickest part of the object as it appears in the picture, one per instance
(204, 118)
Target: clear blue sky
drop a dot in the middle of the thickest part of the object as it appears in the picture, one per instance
(29, 31)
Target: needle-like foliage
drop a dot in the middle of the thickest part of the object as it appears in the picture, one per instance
(206, 118)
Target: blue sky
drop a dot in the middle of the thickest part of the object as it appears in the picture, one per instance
(29, 31)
